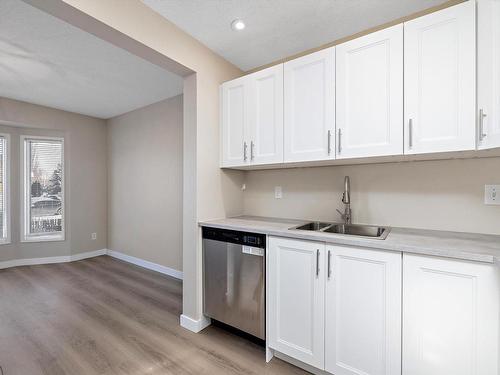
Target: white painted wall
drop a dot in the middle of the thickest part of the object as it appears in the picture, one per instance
(441, 195)
(145, 183)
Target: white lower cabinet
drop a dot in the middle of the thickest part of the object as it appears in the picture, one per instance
(355, 311)
(363, 312)
(451, 314)
(296, 288)
(335, 308)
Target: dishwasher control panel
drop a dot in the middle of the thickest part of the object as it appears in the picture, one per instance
(240, 238)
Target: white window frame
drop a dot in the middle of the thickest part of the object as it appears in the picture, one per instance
(6, 239)
(25, 204)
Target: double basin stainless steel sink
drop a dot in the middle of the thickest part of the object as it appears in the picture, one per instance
(367, 231)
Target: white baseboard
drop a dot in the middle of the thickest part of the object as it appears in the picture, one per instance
(50, 260)
(195, 325)
(146, 264)
(90, 254)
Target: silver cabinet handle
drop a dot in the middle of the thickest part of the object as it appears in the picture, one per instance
(410, 133)
(329, 265)
(251, 150)
(340, 141)
(317, 262)
(244, 151)
(329, 142)
(482, 115)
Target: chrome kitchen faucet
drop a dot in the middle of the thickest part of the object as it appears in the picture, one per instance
(346, 200)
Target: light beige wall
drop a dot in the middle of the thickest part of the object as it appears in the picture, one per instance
(135, 27)
(145, 183)
(443, 195)
(85, 177)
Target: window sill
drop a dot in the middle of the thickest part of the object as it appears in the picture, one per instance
(46, 238)
(5, 242)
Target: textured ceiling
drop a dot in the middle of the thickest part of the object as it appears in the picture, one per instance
(279, 28)
(46, 61)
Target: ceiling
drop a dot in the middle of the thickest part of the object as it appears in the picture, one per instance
(46, 61)
(276, 29)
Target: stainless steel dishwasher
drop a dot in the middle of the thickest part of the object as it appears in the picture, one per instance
(234, 279)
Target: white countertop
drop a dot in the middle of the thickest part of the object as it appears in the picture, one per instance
(465, 246)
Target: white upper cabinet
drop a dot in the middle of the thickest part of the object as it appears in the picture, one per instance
(252, 119)
(235, 122)
(440, 88)
(450, 311)
(296, 290)
(363, 312)
(488, 74)
(266, 114)
(370, 95)
(310, 107)
(408, 89)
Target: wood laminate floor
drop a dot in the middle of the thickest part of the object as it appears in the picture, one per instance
(104, 316)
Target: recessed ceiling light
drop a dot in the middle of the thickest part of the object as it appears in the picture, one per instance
(237, 25)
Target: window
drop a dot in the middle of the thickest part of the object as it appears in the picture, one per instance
(43, 189)
(4, 191)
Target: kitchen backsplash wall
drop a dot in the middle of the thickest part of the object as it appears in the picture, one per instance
(441, 195)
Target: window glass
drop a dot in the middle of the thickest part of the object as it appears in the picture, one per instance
(4, 230)
(44, 201)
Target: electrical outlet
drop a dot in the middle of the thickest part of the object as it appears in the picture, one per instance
(93, 236)
(278, 192)
(492, 194)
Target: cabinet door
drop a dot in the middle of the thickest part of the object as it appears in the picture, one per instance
(310, 107)
(234, 107)
(370, 95)
(363, 312)
(296, 299)
(266, 113)
(450, 317)
(440, 81)
(488, 73)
